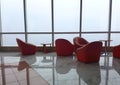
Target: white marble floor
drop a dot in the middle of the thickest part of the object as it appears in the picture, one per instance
(56, 70)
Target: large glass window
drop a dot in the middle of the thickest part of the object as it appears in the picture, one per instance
(66, 15)
(12, 16)
(95, 15)
(95, 20)
(39, 15)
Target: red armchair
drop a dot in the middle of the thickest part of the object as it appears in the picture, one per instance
(64, 47)
(79, 42)
(26, 48)
(116, 51)
(90, 52)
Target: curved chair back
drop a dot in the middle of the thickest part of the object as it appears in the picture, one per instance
(79, 42)
(64, 47)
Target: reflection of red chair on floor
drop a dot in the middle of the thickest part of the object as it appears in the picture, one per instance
(26, 48)
(22, 65)
(79, 42)
(89, 73)
(116, 51)
(90, 52)
(64, 47)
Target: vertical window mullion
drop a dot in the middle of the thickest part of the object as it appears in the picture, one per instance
(0, 26)
(25, 19)
(109, 22)
(52, 13)
(80, 17)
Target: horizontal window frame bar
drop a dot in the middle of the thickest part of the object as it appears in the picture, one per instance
(54, 32)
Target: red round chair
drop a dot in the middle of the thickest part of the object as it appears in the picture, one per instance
(90, 52)
(64, 47)
(26, 48)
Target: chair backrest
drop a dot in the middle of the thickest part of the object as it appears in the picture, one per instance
(20, 43)
(93, 48)
(79, 42)
(96, 45)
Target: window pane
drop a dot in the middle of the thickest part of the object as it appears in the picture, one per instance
(10, 39)
(67, 15)
(115, 39)
(69, 37)
(39, 15)
(12, 16)
(116, 16)
(37, 39)
(94, 37)
(95, 16)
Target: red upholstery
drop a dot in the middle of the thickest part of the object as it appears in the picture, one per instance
(26, 48)
(90, 52)
(79, 42)
(116, 51)
(64, 47)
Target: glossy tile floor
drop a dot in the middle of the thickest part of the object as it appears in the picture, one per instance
(49, 69)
